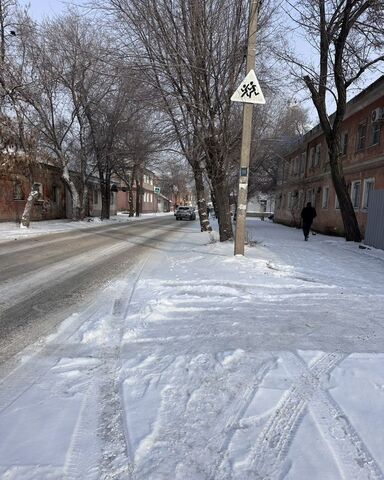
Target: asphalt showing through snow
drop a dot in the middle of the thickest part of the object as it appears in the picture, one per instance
(45, 279)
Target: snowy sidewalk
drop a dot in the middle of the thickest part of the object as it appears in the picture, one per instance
(208, 366)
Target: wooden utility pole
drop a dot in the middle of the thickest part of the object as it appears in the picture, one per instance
(246, 136)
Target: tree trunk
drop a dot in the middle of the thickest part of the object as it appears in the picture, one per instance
(26, 217)
(351, 226)
(221, 194)
(76, 204)
(84, 202)
(138, 198)
(130, 194)
(130, 203)
(105, 187)
(201, 203)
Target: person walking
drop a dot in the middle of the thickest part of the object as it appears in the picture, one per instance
(307, 215)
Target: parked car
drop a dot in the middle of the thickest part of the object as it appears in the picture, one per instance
(185, 213)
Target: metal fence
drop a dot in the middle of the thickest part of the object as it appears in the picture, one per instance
(374, 233)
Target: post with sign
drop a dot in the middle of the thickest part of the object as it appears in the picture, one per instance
(249, 92)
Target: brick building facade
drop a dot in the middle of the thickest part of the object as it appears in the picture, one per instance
(54, 201)
(304, 173)
(15, 188)
(151, 201)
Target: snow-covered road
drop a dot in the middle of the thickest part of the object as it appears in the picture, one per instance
(43, 279)
(202, 365)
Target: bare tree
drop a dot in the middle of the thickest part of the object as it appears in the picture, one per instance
(195, 52)
(18, 144)
(45, 103)
(348, 36)
(279, 128)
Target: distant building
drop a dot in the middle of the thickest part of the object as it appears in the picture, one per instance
(54, 200)
(261, 205)
(304, 173)
(152, 200)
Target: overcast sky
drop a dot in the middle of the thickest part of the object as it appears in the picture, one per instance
(46, 8)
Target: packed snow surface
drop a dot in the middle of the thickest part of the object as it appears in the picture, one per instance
(15, 231)
(202, 365)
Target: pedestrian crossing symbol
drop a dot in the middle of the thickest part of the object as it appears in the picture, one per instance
(249, 90)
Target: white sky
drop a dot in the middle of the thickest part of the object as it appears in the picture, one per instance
(46, 8)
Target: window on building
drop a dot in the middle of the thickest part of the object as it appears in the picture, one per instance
(18, 190)
(310, 196)
(375, 133)
(317, 154)
(302, 163)
(369, 184)
(55, 194)
(325, 200)
(95, 197)
(344, 143)
(112, 198)
(39, 188)
(296, 166)
(355, 193)
(289, 200)
(337, 204)
(361, 134)
(312, 155)
(301, 198)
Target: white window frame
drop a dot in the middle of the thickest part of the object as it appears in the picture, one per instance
(317, 154)
(356, 205)
(325, 198)
(367, 181)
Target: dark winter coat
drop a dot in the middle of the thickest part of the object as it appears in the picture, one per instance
(308, 214)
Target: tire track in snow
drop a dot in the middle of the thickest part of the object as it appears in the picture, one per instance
(82, 459)
(170, 443)
(238, 408)
(266, 459)
(351, 454)
(117, 455)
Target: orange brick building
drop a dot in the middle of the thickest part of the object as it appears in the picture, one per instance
(304, 173)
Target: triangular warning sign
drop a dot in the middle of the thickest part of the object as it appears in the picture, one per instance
(249, 90)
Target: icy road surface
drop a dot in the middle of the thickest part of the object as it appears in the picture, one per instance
(200, 365)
